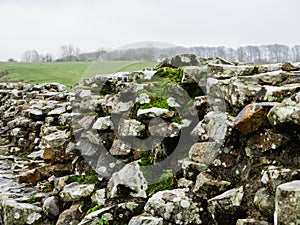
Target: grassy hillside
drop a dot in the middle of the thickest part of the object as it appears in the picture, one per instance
(67, 73)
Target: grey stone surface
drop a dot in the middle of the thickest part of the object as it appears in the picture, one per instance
(130, 178)
(174, 207)
(287, 203)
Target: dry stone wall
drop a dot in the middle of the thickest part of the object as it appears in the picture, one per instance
(189, 142)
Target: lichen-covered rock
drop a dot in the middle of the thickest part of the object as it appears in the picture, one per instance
(215, 127)
(75, 191)
(128, 179)
(191, 169)
(174, 207)
(204, 152)
(227, 207)
(16, 213)
(287, 207)
(179, 61)
(286, 112)
(227, 71)
(130, 128)
(236, 91)
(146, 220)
(207, 187)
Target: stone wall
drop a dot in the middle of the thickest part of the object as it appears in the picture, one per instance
(189, 142)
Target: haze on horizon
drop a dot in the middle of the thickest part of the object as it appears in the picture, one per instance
(92, 24)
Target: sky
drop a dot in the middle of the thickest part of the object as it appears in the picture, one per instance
(46, 25)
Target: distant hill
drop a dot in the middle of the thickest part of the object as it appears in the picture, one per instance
(148, 44)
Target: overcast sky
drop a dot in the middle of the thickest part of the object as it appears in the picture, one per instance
(45, 25)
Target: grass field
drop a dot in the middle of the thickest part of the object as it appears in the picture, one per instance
(67, 73)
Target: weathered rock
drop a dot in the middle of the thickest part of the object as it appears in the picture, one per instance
(21, 213)
(34, 112)
(174, 207)
(278, 93)
(130, 128)
(215, 127)
(99, 197)
(204, 152)
(272, 176)
(19, 122)
(146, 220)
(30, 177)
(109, 103)
(207, 187)
(158, 127)
(179, 61)
(103, 123)
(227, 71)
(129, 179)
(191, 169)
(253, 117)
(143, 98)
(75, 191)
(184, 183)
(158, 153)
(51, 207)
(87, 122)
(155, 112)
(60, 183)
(289, 67)
(286, 112)
(192, 74)
(56, 139)
(265, 202)
(122, 107)
(287, 207)
(58, 111)
(235, 90)
(120, 148)
(73, 215)
(119, 213)
(250, 221)
(265, 141)
(172, 102)
(227, 207)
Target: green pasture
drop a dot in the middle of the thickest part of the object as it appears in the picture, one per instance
(67, 73)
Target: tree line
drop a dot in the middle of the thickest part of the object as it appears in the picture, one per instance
(254, 54)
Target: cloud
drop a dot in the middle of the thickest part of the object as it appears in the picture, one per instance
(46, 25)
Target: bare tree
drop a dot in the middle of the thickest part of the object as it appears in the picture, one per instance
(48, 57)
(69, 52)
(31, 56)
